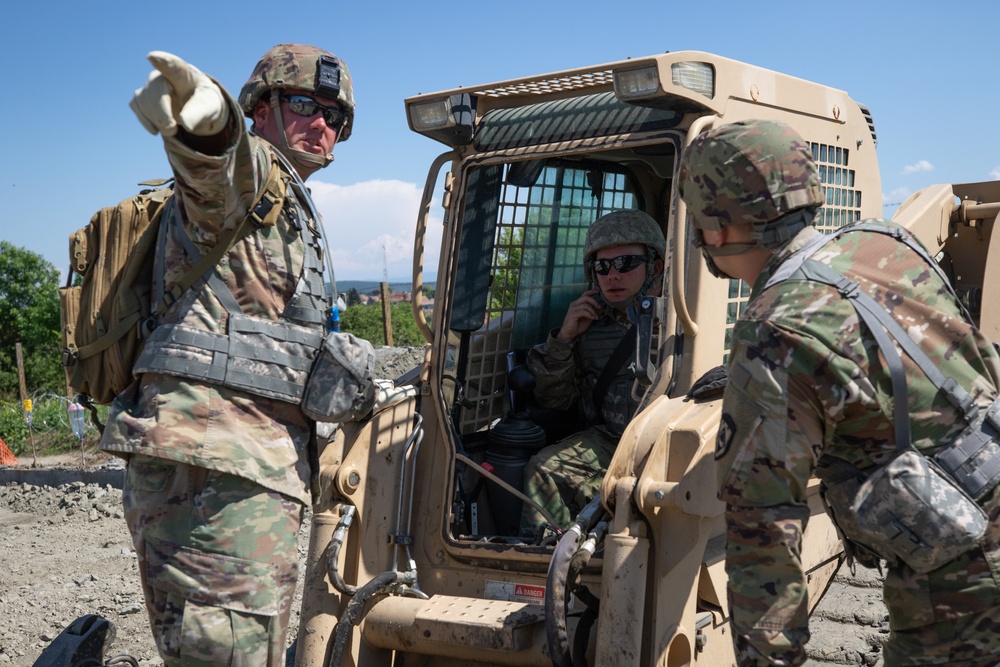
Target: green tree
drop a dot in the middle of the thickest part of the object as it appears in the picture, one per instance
(506, 269)
(366, 322)
(29, 314)
(427, 291)
(353, 298)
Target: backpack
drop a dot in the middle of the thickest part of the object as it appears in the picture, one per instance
(107, 316)
(103, 315)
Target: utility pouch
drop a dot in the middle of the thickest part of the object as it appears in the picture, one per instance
(907, 509)
(341, 384)
(973, 457)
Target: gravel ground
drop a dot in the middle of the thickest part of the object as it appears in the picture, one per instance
(67, 553)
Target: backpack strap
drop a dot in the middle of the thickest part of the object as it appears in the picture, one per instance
(972, 461)
(263, 213)
(310, 303)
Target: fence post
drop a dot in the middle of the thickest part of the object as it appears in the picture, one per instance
(25, 402)
(386, 313)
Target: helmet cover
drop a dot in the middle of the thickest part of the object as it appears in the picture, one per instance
(753, 171)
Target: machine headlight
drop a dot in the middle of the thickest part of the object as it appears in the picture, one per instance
(637, 83)
(431, 115)
(699, 77)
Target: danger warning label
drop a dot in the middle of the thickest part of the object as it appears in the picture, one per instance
(515, 592)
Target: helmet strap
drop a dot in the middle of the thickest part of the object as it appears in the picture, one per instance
(713, 268)
(725, 250)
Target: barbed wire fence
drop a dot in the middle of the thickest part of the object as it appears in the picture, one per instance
(49, 422)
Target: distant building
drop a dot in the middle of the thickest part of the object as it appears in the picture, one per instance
(394, 297)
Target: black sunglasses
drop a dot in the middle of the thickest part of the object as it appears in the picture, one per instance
(622, 264)
(300, 105)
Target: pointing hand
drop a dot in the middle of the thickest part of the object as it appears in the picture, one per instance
(177, 92)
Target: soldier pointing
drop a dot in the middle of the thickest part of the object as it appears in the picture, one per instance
(217, 428)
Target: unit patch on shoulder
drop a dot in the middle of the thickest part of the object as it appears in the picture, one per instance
(727, 431)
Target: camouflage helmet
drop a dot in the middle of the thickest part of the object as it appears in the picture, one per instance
(754, 171)
(302, 67)
(623, 228)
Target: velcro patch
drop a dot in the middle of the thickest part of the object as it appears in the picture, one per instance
(724, 439)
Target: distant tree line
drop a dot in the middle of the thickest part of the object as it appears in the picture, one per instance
(29, 314)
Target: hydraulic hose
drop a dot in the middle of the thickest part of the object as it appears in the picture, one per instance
(352, 612)
(333, 551)
(557, 585)
(555, 598)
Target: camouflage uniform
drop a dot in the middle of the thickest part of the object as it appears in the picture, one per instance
(565, 476)
(805, 380)
(217, 477)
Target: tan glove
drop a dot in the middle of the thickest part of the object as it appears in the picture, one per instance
(178, 92)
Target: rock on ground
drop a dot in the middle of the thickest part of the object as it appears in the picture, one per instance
(392, 362)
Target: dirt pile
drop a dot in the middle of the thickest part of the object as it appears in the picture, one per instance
(392, 362)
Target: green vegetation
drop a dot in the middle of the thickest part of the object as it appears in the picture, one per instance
(29, 314)
(366, 322)
(507, 270)
(50, 430)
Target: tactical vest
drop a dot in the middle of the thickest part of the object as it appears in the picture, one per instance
(270, 358)
(611, 404)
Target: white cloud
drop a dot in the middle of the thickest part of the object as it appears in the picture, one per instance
(891, 200)
(995, 174)
(370, 227)
(897, 195)
(920, 165)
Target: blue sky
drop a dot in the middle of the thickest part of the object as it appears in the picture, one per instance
(69, 143)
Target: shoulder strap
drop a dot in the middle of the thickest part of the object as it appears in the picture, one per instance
(263, 213)
(625, 348)
(800, 265)
(878, 322)
(972, 459)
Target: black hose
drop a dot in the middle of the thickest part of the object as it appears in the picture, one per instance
(583, 555)
(557, 584)
(333, 551)
(581, 639)
(351, 615)
(556, 632)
